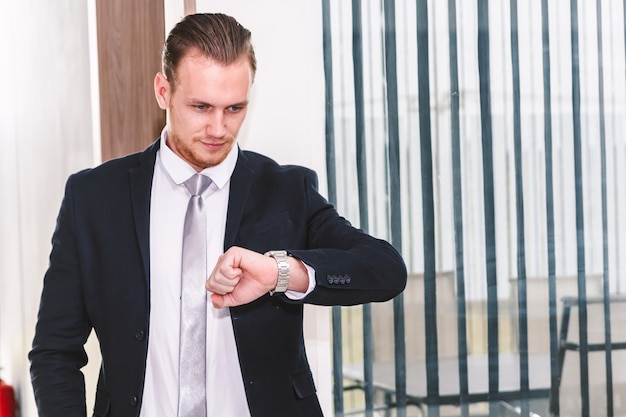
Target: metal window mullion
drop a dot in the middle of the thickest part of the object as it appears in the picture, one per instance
(605, 238)
(428, 209)
(394, 194)
(580, 229)
(519, 202)
(489, 205)
(338, 402)
(361, 164)
(329, 102)
(547, 107)
(337, 361)
(458, 210)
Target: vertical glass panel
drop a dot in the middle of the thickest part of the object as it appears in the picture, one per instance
(509, 119)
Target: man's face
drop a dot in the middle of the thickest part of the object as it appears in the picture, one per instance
(206, 107)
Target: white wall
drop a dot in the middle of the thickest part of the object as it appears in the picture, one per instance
(286, 118)
(45, 133)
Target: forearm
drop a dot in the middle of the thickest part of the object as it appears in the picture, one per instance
(370, 271)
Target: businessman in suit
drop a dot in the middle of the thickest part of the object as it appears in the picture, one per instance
(273, 243)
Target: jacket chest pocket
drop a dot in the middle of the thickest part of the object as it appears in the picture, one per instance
(274, 232)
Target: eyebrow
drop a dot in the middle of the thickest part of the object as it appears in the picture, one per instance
(204, 103)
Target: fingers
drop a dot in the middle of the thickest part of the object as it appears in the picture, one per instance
(223, 279)
(240, 277)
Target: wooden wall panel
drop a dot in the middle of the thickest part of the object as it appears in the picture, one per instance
(130, 38)
(190, 7)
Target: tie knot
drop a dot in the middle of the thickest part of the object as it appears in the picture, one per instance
(197, 184)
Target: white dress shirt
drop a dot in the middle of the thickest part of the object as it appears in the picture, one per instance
(225, 391)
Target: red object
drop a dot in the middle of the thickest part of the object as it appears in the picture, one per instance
(8, 404)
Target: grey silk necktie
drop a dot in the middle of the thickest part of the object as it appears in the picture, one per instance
(192, 379)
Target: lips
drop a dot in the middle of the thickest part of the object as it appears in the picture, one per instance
(212, 144)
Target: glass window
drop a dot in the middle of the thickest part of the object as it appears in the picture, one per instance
(485, 141)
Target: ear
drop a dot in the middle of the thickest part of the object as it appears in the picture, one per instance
(162, 90)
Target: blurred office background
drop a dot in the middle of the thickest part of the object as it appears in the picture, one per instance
(483, 139)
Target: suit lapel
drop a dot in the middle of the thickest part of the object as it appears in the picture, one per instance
(239, 191)
(140, 178)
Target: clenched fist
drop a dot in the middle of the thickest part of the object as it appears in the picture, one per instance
(241, 276)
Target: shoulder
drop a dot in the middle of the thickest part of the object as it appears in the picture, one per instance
(143, 159)
(266, 169)
(115, 173)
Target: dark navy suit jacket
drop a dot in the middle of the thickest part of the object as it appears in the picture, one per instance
(99, 278)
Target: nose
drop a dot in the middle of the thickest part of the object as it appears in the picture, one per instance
(216, 126)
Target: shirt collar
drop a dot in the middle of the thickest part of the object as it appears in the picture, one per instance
(180, 171)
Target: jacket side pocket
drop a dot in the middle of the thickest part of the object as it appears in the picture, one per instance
(303, 384)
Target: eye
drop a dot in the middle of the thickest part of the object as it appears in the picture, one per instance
(234, 109)
(200, 107)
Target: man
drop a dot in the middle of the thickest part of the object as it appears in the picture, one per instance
(118, 266)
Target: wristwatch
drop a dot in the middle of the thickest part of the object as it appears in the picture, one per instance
(283, 269)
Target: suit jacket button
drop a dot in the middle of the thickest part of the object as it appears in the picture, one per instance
(347, 279)
(336, 280)
(134, 401)
(330, 279)
(140, 334)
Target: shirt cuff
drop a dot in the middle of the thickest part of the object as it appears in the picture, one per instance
(297, 295)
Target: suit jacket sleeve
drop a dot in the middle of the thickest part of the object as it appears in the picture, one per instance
(62, 327)
(351, 267)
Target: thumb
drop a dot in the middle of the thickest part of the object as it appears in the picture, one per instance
(221, 301)
(217, 300)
